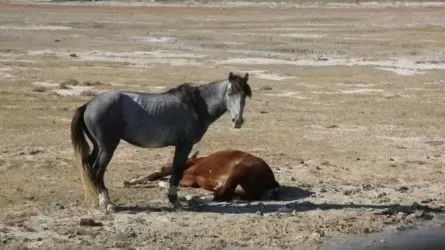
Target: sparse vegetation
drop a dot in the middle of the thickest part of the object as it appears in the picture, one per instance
(91, 83)
(72, 82)
(88, 93)
(39, 89)
(64, 85)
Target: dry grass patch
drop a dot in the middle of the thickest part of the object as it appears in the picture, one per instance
(40, 89)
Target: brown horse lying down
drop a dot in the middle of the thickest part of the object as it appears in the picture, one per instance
(227, 173)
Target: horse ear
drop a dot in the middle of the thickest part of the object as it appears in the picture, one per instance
(194, 155)
(230, 75)
(246, 77)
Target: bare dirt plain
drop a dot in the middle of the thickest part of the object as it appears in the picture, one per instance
(348, 106)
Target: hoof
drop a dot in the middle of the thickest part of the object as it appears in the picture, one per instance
(178, 207)
(111, 208)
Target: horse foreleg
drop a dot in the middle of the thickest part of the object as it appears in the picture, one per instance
(145, 178)
(179, 162)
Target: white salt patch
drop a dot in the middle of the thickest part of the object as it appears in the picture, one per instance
(10, 106)
(138, 58)
(402, 65)
(7, 68)
(361, 91)
(72, 91)
(303, 35)
(46, 84)
(152, 39)
(401, 139)
(298, 29)
(350, 91)
(17, 60)
(6, 75)
(269, 76)
(232, 43)
(403, 72)
(253, 60)
(141, 57)
(41, 52)
(293, 94)
(367, 38)
(34, 27)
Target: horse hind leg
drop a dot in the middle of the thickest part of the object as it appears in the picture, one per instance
(226, 191)
(105, 153)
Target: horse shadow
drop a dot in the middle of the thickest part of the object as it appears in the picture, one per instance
(289, 202)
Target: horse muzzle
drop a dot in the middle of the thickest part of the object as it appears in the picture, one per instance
(237, 123)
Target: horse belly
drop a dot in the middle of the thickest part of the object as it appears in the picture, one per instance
(149, 139)
(153, 132)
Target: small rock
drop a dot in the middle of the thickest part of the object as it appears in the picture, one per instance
(57, 41)
(39, 239)
(380, 195)
(132, 234)
(382, 241)
(393, 165)
(263, 112)
(323, 190)
(366, 230)
(292, 179)
(358, 159)
(89, 222)
(332, 126)
(246, 238)
(428, 200)
(73, 55)
(28, 197)
(391, 159)
(402, 189)
(367, 187)
(60, 206)
(266, 88)
(347, 192)
(317, 234)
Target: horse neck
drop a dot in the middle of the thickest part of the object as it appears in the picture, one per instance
(213, 95)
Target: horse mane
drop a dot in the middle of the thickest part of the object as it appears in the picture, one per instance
(186, 93)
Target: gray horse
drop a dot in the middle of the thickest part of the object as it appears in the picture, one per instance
(178, 117)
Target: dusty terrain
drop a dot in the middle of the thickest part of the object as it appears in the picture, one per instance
(348, 109)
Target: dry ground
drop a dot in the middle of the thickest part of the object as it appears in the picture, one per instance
(348, 108)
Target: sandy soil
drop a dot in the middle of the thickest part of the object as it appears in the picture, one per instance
(347, 108)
